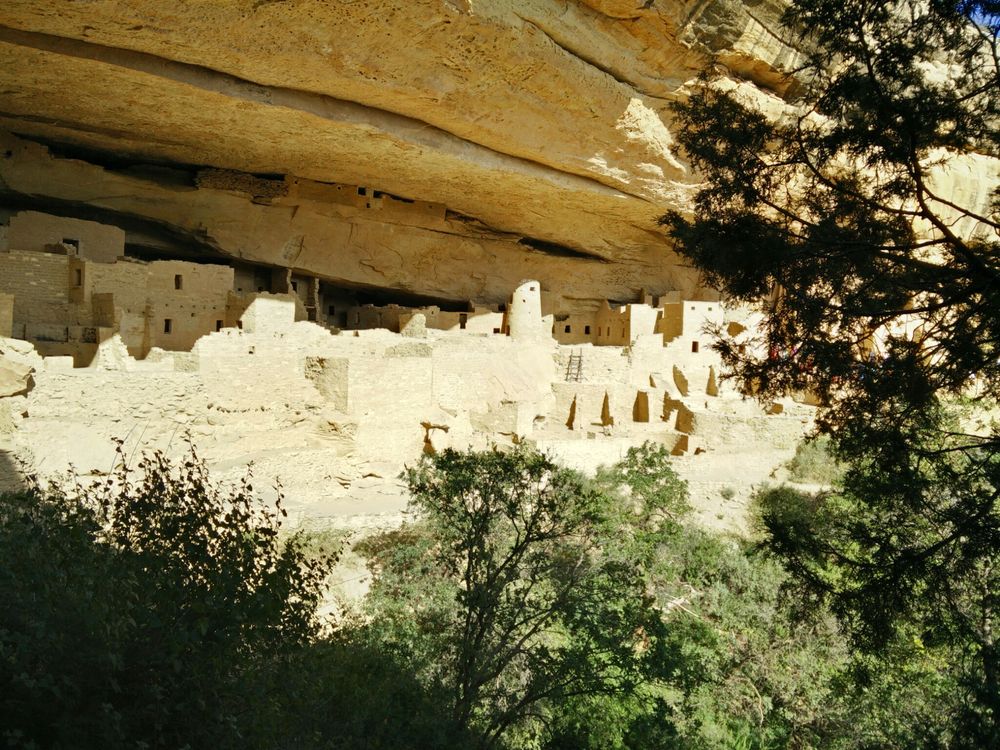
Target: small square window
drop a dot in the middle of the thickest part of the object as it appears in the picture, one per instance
(178, 281)
(586, 329)
(569, 329)
(168, 324)
(694, 347)
(69, 242)
(362, 191)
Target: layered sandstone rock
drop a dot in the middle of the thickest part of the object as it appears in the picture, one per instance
(539, 127)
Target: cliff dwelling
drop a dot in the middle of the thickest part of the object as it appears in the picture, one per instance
(273, 351)
(503, 275)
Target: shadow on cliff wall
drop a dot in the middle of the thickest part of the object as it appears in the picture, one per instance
(11, 476)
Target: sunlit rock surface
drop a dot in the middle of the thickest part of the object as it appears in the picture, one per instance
(533, 136)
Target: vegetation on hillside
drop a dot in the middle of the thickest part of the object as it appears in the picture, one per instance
(525, 606)
(815, 463)
(138, 613)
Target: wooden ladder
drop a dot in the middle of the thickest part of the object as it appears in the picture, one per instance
(574, 368)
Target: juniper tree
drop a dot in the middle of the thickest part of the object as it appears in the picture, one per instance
(884, 293)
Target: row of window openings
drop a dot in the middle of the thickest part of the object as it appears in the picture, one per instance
(168, 325)
(378, 194)
(463, 318)
(600, 332)
(586, 331)
(78, 278)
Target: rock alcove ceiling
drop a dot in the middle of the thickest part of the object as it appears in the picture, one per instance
(492, 140)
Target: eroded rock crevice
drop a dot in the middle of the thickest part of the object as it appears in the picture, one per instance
(565, 44)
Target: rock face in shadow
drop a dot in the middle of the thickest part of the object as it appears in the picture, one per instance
(15, 379)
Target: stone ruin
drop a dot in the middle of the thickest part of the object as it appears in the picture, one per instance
(256, 364)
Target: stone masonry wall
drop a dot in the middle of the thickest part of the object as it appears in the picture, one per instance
(6, 315)
(39, 283)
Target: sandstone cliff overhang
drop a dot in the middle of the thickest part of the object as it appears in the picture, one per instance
(539, 126)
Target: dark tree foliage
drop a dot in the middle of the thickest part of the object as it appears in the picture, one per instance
(529, 607)
(134, 613)
(839, 212)
(911, 551)
(836, 209)
(349, 691)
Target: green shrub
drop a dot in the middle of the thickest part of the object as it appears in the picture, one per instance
(814, 463)
(524, 585)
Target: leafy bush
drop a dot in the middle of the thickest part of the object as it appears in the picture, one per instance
(523, 585)
(659, 496)
(735, 668)
(134, 611)
(908, 680)
(350, 690)
(554, 612)
(528, 607)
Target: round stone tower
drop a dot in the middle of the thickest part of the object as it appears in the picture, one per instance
(525, 312)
